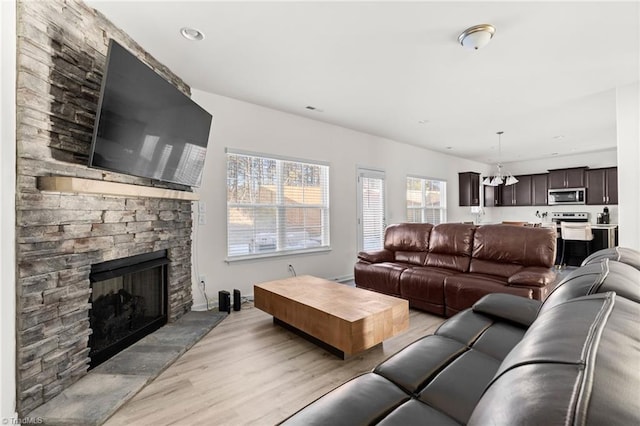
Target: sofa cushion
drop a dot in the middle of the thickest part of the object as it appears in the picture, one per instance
(458, 388)
(376, 256)
(415, 411)
(571, 367)
(619, 254)
(424, 287)
(463, 290)
(361, 401)
(520, 245)
(450, 246)
(415, 365)
(382, 277)
(491, 267)
(596, 278)
(508, 307)
(413, 237)
(411, 257)
(536, 276)
(491, 335)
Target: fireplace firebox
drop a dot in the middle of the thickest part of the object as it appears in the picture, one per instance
(128, 302)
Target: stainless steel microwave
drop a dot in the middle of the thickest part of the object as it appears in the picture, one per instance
(567, 196)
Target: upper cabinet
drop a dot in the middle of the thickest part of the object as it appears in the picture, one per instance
(518, 194)
(602, 186)
(567, 178)
(539, 189)
(493, 196)
(469, 188)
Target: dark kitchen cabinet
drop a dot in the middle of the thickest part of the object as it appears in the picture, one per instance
(602, 186)
(522, 191)
(493, 196)
(539, 189)
(518, 194)
(469, 189)
(567, 178)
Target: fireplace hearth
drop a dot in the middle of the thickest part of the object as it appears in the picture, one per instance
(128, 301)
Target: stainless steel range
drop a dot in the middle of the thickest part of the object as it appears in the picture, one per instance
(558, 217)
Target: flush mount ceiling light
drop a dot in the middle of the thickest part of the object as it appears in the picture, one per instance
(477, 36)
(192, 33)
(500, 177)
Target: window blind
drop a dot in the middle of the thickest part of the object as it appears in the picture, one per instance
(373, 220)
(275, 205)
(426, 200)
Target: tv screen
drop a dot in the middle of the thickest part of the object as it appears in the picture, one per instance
(145, 126)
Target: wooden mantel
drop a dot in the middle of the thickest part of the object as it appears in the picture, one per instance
(91, 186)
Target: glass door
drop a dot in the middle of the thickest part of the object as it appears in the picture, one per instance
(371, 209)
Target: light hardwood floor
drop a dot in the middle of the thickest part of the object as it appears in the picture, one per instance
(249, 371)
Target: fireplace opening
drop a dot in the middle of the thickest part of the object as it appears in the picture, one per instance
(128, 302)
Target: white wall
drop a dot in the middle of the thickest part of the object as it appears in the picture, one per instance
(253, 128)
(606, 158)
(7, 212)
(628, 124)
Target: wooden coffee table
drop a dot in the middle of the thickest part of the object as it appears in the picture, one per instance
(344, 320)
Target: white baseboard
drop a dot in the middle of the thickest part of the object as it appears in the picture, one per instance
(343, 279)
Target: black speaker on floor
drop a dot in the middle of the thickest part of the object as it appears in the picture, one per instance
(236, 300)
(224, 301)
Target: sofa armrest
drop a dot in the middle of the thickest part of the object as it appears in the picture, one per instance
(512, 308)
(534, 276)
(377, 256)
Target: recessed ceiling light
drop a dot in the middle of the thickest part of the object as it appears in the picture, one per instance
(312, 108)
(449, 147)
(554, 153)
(192, 33)
(559, 137)
(423, 121)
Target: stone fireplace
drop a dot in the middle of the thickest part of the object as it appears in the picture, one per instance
(61, 236)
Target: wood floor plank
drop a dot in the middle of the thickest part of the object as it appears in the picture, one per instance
(249, 371)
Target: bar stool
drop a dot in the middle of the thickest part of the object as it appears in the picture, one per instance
(575, 231)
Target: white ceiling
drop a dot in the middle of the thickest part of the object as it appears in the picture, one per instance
(547, 79)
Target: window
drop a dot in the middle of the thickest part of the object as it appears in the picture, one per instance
(426, 200)
(275, 206)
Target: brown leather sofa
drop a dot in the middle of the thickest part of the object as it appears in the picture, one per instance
(446, 268)
(510, 360)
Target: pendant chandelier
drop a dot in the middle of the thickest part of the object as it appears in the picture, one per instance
(500, 177)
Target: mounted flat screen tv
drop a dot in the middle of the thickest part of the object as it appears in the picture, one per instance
(145, 126)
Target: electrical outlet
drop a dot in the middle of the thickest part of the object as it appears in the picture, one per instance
(202, 219)
(202, 280)
(202, 207)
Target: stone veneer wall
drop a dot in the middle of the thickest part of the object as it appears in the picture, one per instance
(61, 51)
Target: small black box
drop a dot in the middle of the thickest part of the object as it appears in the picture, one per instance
(236, 300)
(224, 301)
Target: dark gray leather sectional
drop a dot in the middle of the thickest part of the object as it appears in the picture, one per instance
(509, 360)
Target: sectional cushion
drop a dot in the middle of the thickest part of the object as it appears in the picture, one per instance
(419, 362)
(567, 368)
(361, 401)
